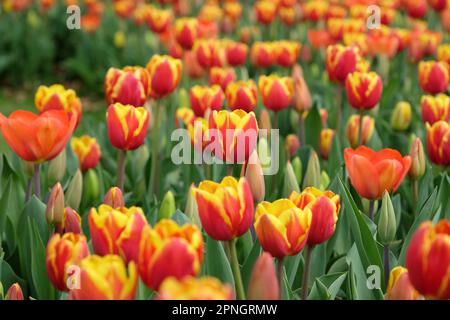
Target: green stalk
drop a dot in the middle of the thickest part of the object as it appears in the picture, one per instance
(306, 271)
(240, 294)
(121, 157)
(37, 180)
(155, 151)
(360, 129)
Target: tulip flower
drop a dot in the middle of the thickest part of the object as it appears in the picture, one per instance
(116, 231)
(114, 198)
(435, 108)
(190, 288)
(438, 143)
(233, 135)
(292, 144)
(288, 15)
(416, 8)
(302, 97)
(428, 260)
(443, 53)
(265, 11)
(225, 208)
(262, 54)
(401, 116)
(418, 162)
(127, 126)
(324, 207)
(433, 76)
(164, 243)
(400, 287)
(340, 62)
(75, 190)
(193, 69)
(186, 32)
(263, 283)
(281, 227)
(221, 76)
(56, 97)
(159, 20)
(363, 89)
(253, 172)
(37, 138)
(315, 10)
(277, 92)
(185, 116)
(14, 292)
(54, 212)
(105, 278)
(71, 222)
(438, 5)
(236, 53)
(87, 151)
(287, 52)
(326, 142)
(232, 10)
(205, 98)
(164, 75)
(386, 169)
(242, 95)
(129, 85)
(353, 130)
(206, 52)
(62, 253)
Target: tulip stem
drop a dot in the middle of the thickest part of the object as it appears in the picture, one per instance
(280, 272)
(301, 128)
(155, 150)
(37, 180)
(371, 209)
(360, 128)
(121, 169)
(29, 190)
(240, 294)
(339, 100)
(306, 271)
(275, 120)
(415, 195)
(386, 265)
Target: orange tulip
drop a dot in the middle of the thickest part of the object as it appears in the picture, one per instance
(221, 76)
(319, 38)
(352, 130)
(105, 278)
(225, 208)
(62, 253)
(428, 259)
(129, 85)
(262, 54)
(324, 208)
(363, 89)
(164, 74)
(204, 97)
(186, 32)
(166, 243)
(341, 61)
(56, 97)
(37, 138)
(386, 169)
(242, 95)
(302, 97)
(435, 108)
(127, 126)
(190, 288)
(281, 227)
(433, 76)
(400, 287)
(87, 151)
(438, 143)
(277, 92)
(116, 231)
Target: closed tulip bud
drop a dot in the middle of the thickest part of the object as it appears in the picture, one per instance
(428, 259)
(302, 97)
(191, 209)
(276, 220)
(160, 245)
(277, 92)
(363, 89)
(105, 278)
(57, 168)
(75, 190)
(87, 151)
(165, 75)
(116, 231)
(263, 283)
(341, 61)
(225, 208)
(190, 288)
(141, 157)
(255, 177)
(91, 185)
(242, 95)
(418, 161)
(386, 224)
(326, 142)
(352, 130)
(70, 223)
(324, 207)
(298, 168)
(168, 207)
(312, 174)
(55, 205)
(435, 108)
(290, 180)
(400, 287)
(324, 180)
(221, 76)
(114, 198)
(433, 76)
(14, 292)
(292, 144)
(264, 120)
(129, 85)
(262, 54)
(204, 97)
(62, 253)
(438, 143)
(186, 32)
(401, 116)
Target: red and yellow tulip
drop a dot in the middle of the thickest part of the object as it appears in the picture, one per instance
(433, 76)
(190, 288)
(435, 108)
(400, 287)
(352, 129)
(262, 54)
(71, 222)
(266, 11)
(236, 53)
(326, 142)
(87, 151)
(277, 92)
(221, 76)
(164, 75)
(186, 32)
(242, 95)
(203, 98)
(287, 52)
(438, 143)
(341, 61)
(363, 89)
(129, 85)
(159, 20)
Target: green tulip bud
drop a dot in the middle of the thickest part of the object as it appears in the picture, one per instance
(75, 190)
(324, 180)
(264, 154)
(191, 209)
(298, 167)
(54, 213)
(312, 175)
(387, 226)
(290, 180)
(57, 168)
(168, 207)
(92, 189)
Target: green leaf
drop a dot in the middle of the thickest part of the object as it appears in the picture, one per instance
(217, 263)
(327, 286)
(247, 268)
(313, 126)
